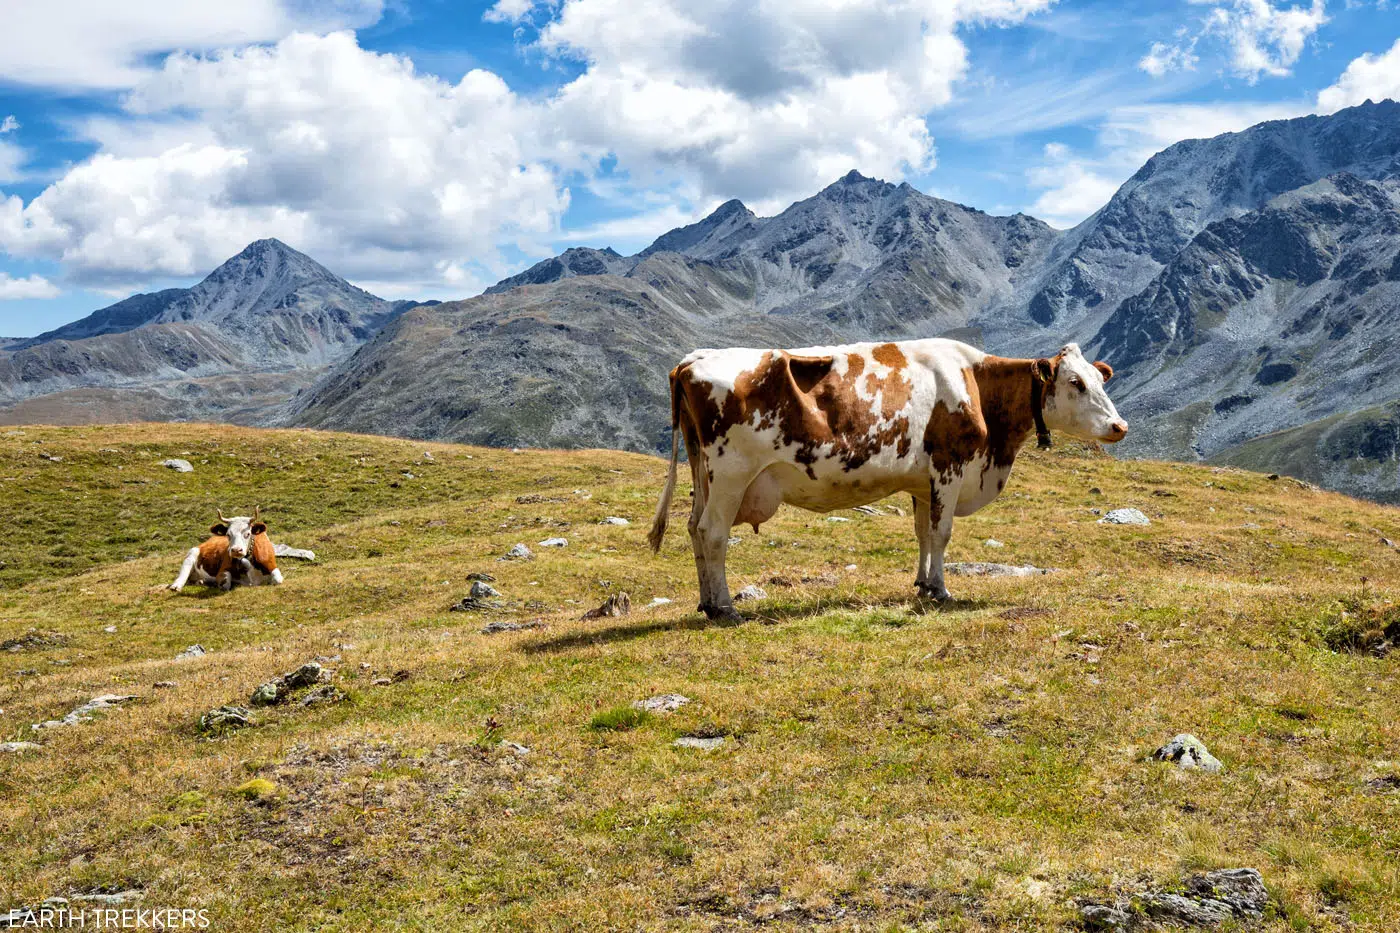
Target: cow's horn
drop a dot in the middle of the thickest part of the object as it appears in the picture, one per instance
(255, 513)
(221, 515)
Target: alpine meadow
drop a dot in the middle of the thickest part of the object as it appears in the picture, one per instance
(710, 466)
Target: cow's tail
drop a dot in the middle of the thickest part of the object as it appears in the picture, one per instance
(663, 508)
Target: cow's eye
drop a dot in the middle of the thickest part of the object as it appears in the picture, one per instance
(1077, 383)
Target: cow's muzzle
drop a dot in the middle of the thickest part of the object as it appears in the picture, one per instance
(1116, 432)
(237, 552)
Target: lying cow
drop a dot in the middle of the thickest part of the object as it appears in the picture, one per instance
(836, 427)
(238, 551)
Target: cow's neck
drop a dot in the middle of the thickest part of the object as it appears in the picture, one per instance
(1005, 389)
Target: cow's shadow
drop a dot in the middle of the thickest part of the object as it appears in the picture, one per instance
(797, 609)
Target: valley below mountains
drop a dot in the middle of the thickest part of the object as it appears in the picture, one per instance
(1245, 289)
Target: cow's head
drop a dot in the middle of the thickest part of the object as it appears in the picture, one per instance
(1075, 400)
(240, 531)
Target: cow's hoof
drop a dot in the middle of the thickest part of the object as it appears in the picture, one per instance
(722, 613)
(937, 594)
(174, 588)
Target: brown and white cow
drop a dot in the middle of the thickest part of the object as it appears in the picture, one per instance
(238, 551)
(835, 427)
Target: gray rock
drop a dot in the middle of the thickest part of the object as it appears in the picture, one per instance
(110, 900)
(284, 550)
(193, 651)
(325, 694)
(304, 676)
(554, 542)
(16, 748)
(1125, 517)
(89, 710)
(750, 592)
(1106, 917)
(519, 552)
(224, 719)
(269, 694)
(483, 590)
(501, 625)
(1188, 753)
(614, 520)
(164, 685)
(178, 465)
(515, 748)
(979, 568)
(1214, 897)
(993, 542)
(483, 577)
(657, 602)
(837, 518)
(615, 606)
(662, 703)
(707, 744)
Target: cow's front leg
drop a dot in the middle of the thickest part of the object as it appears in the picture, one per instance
(712, 547)
(943, 500)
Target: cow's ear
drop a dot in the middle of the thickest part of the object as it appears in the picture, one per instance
(1045, 370)
(259, 527)
(1104, 369)
(218, 528)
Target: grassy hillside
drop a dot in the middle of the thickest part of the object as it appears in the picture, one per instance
(888, 764)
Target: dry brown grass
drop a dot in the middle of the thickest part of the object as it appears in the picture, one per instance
(887, 764)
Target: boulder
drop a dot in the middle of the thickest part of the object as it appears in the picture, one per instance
(19, 748)
(1125, 517)
(704, 744)
(224, 719)
(1188, 753)
(662, 703)
(977, 568)
(269, 694)
(615, 606)
(519, 552)
(178, 465)
(750, 592)
(555, 542)
(614, 520)
(193, 651)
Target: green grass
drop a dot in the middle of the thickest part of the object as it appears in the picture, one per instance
(887, 763)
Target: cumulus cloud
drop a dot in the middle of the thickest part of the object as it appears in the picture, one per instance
(1265, 39)
(101, 44)
(1260, 37)
(1370, 77)
(33, 286)
(1162, 58)
(509, 11)
(348, 154)
(761, 101)
(391, 175)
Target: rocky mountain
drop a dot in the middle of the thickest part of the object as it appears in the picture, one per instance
(269, 311)
(575, 350)
(1116, 252)
(1243, 286)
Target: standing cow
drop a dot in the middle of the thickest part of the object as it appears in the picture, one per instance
(238, 551)
(835, 427)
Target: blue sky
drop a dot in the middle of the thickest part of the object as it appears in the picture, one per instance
(425, 148)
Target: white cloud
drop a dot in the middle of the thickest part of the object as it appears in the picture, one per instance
(391, 175)
(762, 101)
(1162, 58)
(1370, 77)
(1074, 185)
(509, 11)
(1265, 39)
(34, 286)
(104, 44)
(376, 170)
(9, 124)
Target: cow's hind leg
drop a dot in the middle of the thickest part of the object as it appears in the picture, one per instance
(191, 558)
(924, 534)
(943, 500)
